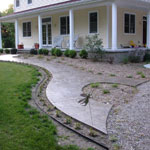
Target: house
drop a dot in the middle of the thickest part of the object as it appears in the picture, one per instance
(116, 21)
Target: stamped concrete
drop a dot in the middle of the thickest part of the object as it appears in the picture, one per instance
(65, 89)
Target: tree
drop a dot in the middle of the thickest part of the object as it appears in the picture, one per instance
(8, 30)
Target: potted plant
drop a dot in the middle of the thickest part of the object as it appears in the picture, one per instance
(20, 46)
(36, 45)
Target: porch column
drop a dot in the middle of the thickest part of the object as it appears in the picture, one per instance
(16, 34)
(148, 30)
(0, 35)
(40, 31)
(71, 17)
(114, 26)
(108, 23)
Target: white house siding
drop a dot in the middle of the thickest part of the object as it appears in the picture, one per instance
(81, 27)
(126, 38)
(29, 41)
(35, 3)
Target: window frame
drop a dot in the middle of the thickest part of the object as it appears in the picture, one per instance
(66, 28)
(29, 3)
(26, 31)
(129, 13)
(90, 12)
(16, 4)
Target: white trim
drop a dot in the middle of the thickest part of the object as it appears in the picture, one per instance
(89, 12)
(114, 26)
(22, 28)
(40, 31)
(108, 26)
(148, 30)
(16, 34)
(129, 13)
(71, 30)
(1, 35)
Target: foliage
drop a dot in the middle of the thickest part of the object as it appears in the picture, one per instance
(77, 126)
(7, 51)
(95, 85)
(1, 50)
(66, 53)
(146, 57)
(53, 51)
(45, 51)
(18, 118)
(13, 51)
(33, 52)
(105, 91)
(8, 30)
(58, 52)
(134, 59)
(83, 54)
(94, 44)
(72, 53)
(125, 60)
(40, 51)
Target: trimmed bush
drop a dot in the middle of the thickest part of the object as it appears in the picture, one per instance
(147, 57)
(83, 54)
(1, 50)
(40, 51)
(45, 51)
(13, 51)
(66, 53)
(58, 52)
(33, 52)
(7, 51)
(53, 51)
(72, 53)
(134, 59)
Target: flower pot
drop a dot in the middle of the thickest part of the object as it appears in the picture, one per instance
(20, 46)
(36, 46)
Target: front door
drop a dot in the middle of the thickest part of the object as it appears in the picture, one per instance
(46, 32)
(144, 30)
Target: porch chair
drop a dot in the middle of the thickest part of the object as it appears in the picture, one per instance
(76, 37)
(57, 41)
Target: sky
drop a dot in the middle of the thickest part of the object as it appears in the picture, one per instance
(5, 3)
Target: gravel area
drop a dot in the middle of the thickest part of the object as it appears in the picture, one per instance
(131, 125)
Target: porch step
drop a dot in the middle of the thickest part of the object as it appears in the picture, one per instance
(23, 51)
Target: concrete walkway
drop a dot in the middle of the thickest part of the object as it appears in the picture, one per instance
(65, 89)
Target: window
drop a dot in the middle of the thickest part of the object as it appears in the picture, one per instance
(17, 3)
(27, 29)
(129, 23)
(64, 25)
(93, 22)
(29, 1)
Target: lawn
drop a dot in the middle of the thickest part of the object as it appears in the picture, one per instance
(21, 126)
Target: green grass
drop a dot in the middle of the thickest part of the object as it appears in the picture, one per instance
(21, 126)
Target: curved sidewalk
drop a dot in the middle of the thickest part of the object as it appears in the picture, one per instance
(65, 89)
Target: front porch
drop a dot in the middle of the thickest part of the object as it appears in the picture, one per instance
(46, 25)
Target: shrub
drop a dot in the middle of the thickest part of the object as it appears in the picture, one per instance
(105, 91)
(58, 52)
(53, 51)
(134, 59)
(45, 51)
(66, 53)
(83, 54)
(13, 51)
(72, 53)
(1, 50)
(7, 51)
(146, 57)
(94, 44)
(33, 52)
(95, 85)
(126, 60)
(40, 51)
